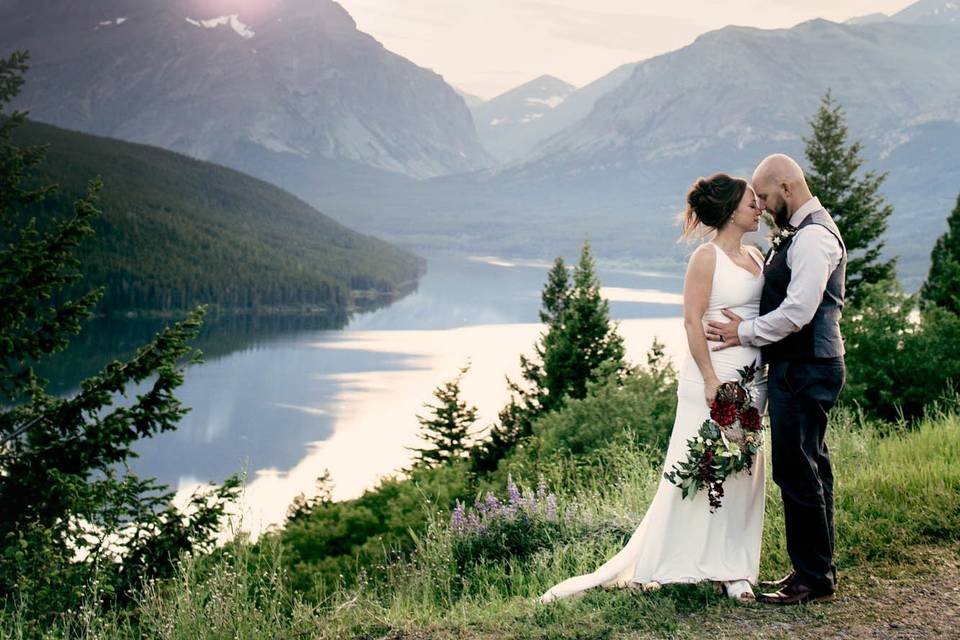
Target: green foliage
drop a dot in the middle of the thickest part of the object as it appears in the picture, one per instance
(526, 400)
(855, 203)
(448, 426)
(504, 532)
(639, 407)
(177, 232)
(580, 347)
(942, 286)
(898, 364)
(583, 341)
(904, 492)
(555, 293)
(895, 491)
(303, 505)
(328, 543)
(513, 539)
(70, 516)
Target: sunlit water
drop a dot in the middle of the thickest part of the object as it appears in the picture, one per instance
(286, 400)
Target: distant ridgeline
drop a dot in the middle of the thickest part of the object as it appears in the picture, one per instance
(176, 232)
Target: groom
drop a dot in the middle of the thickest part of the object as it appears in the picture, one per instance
(798, 332)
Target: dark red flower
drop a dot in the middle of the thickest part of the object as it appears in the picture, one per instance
(750, 419)
(723, 413)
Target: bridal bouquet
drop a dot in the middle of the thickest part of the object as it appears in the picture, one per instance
(726, 444)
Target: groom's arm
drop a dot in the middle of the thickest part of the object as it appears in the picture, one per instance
(812, 256)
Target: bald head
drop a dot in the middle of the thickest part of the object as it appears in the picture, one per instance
(779, 183)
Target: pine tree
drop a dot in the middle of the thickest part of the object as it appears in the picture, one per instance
(582, 341)
(942, 287)
(303, 506)
(530, 398)
(63, 489)
(579, 346)
(447, 427)
(555, 292)
(855, 203)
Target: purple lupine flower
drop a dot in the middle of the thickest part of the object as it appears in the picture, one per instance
(541, 487)
(571, 512)
(457, 518)
(551, 507)
(492, 505)
(529, 502)
(473, 522)
(513, 492)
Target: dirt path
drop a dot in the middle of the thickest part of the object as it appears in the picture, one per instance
(916, 600)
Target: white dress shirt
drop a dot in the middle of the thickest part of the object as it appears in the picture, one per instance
(812, 256)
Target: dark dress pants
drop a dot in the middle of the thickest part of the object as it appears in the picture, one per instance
(800, 394)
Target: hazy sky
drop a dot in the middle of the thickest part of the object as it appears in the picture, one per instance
(486, 47)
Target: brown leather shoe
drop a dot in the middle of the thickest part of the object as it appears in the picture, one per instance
(795, 593)
(778, 584)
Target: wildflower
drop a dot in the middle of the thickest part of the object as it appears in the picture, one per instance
(513, 498)
(492, 505)
(541, 488)
(529, 502)
(457, 518)
(551, 507)
(512, 492)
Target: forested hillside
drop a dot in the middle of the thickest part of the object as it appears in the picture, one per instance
(176, 232)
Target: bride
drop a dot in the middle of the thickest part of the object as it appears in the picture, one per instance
(679, 540)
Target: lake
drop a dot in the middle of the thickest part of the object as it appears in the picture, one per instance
(283, 399)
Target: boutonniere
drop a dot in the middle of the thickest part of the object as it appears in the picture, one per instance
(777, 240)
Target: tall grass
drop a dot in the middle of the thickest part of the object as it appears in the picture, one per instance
(893, 490)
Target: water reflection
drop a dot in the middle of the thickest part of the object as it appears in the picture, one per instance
(372, 413)
(104, 339)
(287, 397)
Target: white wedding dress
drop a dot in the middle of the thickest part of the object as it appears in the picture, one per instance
(679, 540)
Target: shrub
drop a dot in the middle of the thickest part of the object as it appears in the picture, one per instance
(494, 531)
(896, 364)
(642, 403)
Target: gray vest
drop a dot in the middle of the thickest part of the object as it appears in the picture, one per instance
(820, 338)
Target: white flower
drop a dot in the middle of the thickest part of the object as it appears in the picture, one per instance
(783, 234)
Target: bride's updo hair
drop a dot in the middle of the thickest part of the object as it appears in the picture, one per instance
(711, 201)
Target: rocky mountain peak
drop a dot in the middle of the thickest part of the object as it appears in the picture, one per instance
(930, 12)
(253, 84)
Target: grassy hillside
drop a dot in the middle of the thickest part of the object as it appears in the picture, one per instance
(176, 232)
(898, 527)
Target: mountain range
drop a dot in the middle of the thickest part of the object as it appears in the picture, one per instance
(252, 85)
(510, 124)
(739, 93)
(290, 91)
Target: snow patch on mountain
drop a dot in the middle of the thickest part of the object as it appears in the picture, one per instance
(107, 23)
(233, 20)
(551, 102)
(272, 142)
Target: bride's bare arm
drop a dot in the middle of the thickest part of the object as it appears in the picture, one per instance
(696, 294)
